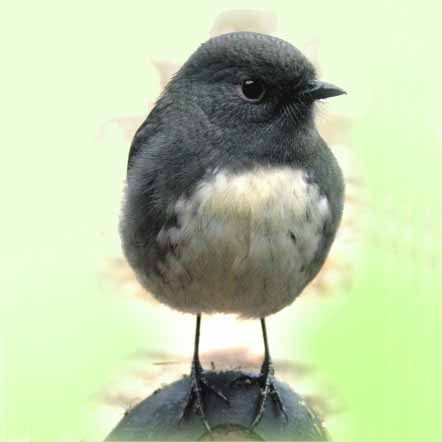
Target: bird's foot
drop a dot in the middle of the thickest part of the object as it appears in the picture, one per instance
(198, 385)
(267, 387)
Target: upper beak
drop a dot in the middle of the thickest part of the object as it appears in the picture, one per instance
(316, 89)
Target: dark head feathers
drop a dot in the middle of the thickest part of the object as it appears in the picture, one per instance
(270, 57)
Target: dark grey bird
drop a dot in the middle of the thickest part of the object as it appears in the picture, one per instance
(233, 198)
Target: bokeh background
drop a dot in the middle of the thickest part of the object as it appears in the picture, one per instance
(80, 344)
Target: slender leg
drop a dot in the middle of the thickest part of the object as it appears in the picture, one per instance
(199, 383)
(268, 375)
(266, 382)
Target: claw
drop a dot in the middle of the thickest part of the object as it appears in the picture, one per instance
(277, 399)
(214, 390)
(267, 387)
(195, 396)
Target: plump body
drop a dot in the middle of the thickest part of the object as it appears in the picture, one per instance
(222, 216)
(243, 243)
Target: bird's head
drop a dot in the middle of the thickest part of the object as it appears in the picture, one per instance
(252, 78)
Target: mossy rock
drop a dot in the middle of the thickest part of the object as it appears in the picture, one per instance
(156, 418)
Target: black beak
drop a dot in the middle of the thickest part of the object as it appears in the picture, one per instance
(316, 90)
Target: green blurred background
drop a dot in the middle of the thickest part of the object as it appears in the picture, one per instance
(68, 68)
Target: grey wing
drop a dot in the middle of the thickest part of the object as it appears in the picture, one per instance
(162, 167)
(141, 137)
(144, 211)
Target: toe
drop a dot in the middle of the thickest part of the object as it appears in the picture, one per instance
(216, 391)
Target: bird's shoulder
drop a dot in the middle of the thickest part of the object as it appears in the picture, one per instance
(150, 127)
(323, 170)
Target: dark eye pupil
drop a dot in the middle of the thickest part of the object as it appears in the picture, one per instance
(253, 89)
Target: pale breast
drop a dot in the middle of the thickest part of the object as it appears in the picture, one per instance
(243, 243)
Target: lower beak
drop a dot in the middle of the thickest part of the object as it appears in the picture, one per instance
(316, 90)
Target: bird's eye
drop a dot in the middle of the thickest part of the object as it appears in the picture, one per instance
(253, 90)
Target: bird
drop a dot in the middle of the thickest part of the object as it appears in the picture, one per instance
(232, 198)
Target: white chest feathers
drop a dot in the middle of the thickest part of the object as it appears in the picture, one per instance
(243, 243)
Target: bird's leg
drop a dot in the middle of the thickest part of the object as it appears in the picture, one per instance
(198, 383)
(266, 383)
